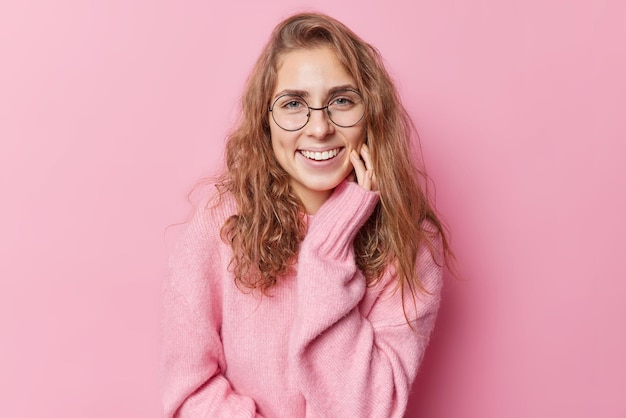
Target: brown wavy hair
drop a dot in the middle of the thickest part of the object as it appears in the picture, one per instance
(266, 232)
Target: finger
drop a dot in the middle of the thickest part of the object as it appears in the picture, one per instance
(373, 182)
(359, 166)
(369, 165)
(367, 157)
(362, 177)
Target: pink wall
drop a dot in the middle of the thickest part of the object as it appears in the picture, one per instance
(109, 111)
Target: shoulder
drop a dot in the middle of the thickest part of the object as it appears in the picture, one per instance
(430, 257)
(421, 294)
(210, 211)
(431, 240)
(214, 209)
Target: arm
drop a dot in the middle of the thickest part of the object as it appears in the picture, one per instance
(345, 363)
(192, 357)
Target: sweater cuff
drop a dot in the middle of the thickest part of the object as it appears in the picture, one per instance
(333, 228)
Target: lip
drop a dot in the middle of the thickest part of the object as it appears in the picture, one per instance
(321, 149)
(321, 163)
(320, 155)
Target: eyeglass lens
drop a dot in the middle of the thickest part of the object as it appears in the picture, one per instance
(291, 112)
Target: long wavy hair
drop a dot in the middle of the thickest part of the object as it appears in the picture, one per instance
(266, 232)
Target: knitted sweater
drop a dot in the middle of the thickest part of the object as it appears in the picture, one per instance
(321, 344)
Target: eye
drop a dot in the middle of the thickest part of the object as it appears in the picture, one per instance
(291, 103)
(341, 101)
(344, 100)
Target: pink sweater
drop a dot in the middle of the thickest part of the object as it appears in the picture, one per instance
(322, 344)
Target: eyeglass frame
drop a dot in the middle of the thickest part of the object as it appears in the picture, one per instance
(308, 116)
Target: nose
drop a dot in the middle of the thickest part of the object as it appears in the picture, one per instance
(319, 124)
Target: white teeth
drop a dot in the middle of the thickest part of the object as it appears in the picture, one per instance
(320, 156)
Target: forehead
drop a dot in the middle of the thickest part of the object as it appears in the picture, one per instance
(315, 71)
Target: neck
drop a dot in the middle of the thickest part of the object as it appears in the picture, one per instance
(313, 200)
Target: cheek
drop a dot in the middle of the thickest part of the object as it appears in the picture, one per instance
(275, 139)
(282, 146)
(358, 139)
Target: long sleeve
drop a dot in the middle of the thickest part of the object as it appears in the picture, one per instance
(192, 355)
(349, 356)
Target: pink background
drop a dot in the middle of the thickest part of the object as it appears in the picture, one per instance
(111, 110)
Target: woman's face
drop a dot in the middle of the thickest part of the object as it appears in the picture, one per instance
(316, 157)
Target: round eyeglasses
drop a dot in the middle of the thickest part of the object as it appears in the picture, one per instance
(291, 112)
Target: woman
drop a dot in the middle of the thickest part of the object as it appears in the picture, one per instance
(309, 284)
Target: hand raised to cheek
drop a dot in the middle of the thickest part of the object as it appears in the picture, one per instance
(363, 168)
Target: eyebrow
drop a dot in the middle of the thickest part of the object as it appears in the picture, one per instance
(305, 94)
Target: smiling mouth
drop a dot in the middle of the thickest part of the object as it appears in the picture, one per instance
(320, 156)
